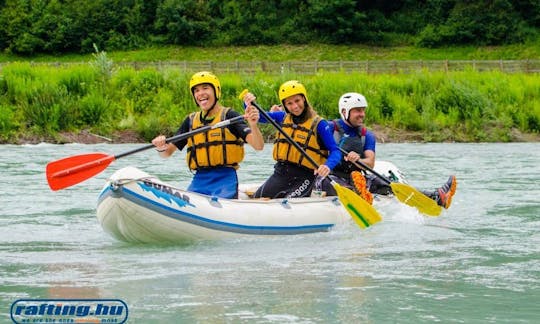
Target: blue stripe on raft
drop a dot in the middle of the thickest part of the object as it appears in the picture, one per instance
(209, 223)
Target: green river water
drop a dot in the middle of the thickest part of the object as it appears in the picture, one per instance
(479, 262)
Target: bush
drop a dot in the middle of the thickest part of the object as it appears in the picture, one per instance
(8, 124)
(94, 109)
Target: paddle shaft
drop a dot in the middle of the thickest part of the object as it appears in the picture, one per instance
(360, 210)
(182, 136)
(90, 164)
(404, 192)
(106, 160)
(299, 148)
(289, 138)
(359, 164)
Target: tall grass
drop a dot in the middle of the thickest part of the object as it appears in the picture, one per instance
(311, 52)
(456, 106)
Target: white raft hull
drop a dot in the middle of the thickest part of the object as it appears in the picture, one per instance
(136, 207)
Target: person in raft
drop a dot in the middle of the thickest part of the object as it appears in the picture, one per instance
(294, 174)
(352, 136)
(214, 156)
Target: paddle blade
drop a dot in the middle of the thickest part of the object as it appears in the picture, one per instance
(69, 171)
(361, 211)
(414, 198)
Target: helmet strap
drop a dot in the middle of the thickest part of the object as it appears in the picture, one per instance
(301, 118)
(209, 111)
(348, 121)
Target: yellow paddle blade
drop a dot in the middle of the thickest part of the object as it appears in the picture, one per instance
(414, 198)
(361, 211)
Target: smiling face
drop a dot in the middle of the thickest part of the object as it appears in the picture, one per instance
(295, 104)
(204, 95)
(357, 116)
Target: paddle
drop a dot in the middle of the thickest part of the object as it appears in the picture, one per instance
(69, 171)
(361, 211)
(404, 192)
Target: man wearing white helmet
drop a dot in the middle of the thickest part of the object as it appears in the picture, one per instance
(351, 135)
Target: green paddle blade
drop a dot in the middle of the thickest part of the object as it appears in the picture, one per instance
(414, 198)
(361, 211)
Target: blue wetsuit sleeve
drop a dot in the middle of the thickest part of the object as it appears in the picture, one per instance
(326, 133)
(370, 142)
(278, 116)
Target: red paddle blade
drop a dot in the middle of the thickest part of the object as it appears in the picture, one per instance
(69, 171)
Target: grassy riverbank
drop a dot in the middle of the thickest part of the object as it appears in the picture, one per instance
(312, 52)
(103, 100)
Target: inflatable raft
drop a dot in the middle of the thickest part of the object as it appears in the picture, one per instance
(134, 206)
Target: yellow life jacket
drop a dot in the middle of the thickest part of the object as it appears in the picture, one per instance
(217, 147)
(305, 135)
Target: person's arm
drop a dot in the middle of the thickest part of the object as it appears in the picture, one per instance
(369, 159)
(250, 134)
(167, 149)
(276, 111)
(255, 138)
(325, 133)
(164, 149)
(369, 152)
(278, 116)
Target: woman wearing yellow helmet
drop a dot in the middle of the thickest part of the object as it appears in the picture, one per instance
(294, 174)
(215, 155)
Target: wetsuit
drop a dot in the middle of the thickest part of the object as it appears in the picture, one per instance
(291, 177)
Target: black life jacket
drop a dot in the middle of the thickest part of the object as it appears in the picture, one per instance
(348, 143)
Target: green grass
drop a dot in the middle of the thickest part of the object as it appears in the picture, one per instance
(104, 97)
(313, 52)
(454, 106)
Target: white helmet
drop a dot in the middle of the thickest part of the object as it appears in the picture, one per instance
(349, 101)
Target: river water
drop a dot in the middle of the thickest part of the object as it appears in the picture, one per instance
(478, 262)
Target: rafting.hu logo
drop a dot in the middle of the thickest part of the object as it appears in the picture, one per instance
(69, 311)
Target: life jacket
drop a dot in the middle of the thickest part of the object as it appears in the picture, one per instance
(305, 135)
(348, 143)
(217, 147)
(353, 143)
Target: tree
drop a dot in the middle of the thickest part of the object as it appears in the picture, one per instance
(335, 21)
(183, 22)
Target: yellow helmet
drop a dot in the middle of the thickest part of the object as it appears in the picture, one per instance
(206, 77)
(291, 88)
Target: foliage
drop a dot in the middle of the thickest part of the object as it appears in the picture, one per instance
(7, 122)
(477, 22)
(336, 21)
(182, 22)
(454, 106)
(32, 27)
(102, 65)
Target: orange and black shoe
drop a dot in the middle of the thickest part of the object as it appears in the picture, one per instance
(446, 192)
(360, 186)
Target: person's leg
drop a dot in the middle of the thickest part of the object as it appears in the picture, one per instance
(220, 182)
(300, 186)
(378, 186)
(325, 184)
(270, 188)
(287, 181)
(443, 195)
